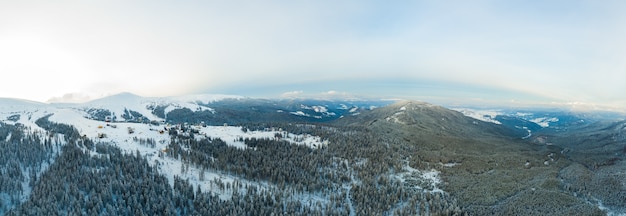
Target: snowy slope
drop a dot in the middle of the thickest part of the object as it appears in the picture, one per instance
(117, 134)
(231, 136)
(540, 118)
(192, 102)
(117, 104)
(28, 111)
(545, 121)
(483, 115)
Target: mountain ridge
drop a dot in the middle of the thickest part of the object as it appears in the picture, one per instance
(426, 116)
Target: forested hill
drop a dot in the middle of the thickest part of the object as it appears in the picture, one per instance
(238, 156)
(430, 118)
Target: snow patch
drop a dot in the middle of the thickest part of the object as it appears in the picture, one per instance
(452, 164)
(425, 180)
(300, 113)
(394, 118)
(318, 109)
(544, 121)
(483, 115)
(233, 135)
(609, 211)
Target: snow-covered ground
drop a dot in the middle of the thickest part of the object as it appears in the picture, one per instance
(28, 112)
(232, 135)
(425, 180)
(321, 110)
(118, 103)
(117, 133)
(483, 115)
(300, 113)
(544, 121)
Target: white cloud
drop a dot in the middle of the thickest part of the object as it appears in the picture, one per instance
(70, 98)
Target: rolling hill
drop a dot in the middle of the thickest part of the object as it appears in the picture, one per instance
(213, 154)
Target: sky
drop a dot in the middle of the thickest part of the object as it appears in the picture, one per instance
(560, 52)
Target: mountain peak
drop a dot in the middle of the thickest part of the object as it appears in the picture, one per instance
(13, 104)
(412, 104)
(125, 95)
(117, 98)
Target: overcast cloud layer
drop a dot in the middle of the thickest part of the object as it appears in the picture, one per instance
(529, 51)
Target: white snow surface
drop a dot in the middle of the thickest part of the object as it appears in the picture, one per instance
(231, 135)
(192, 101)
(430, 177)
(483, 115)
(318, 109)
(117, 103)
(29, 112)
(544, 121)
(300, 113)
(16, 104)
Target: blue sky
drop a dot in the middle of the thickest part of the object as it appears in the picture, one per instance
(557, 52)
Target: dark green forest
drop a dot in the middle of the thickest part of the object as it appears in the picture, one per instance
(353, 175)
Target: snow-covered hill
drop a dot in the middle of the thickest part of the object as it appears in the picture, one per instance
(123, 107)
(118, 133)
(129, 107)
(17, 111)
